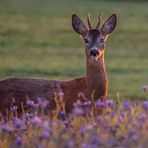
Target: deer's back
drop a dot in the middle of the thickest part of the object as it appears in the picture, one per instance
(21, 89)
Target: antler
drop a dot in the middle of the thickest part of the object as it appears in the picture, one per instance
(100, 18)
(88, 20)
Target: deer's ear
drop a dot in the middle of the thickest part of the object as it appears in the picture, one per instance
(109, 24)
(78, 25)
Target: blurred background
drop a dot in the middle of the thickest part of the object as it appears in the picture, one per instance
(37, 40)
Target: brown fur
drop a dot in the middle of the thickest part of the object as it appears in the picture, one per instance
(18, 90)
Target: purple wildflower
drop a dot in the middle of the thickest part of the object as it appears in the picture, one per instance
(23, 128)
(62, 113)
(100, 119)
(44, 103)
(78, 103)
(144, 87)
(17, 122)
(70, 144)
(100, 103)
(126, 105)
(36, 106)
(84, 145)
(86, 103)
(28, 117)
(66, 122)
(14, 109)
(31, 104)
(46, 125)
(46, 135)
(89, 126)
(36, 121)
(82, 132)
(94, 139)
(123, 114)
(142, 117)
(18, 140)
(78, 111)
(134, 138)
(110, 103)
(61, 94)
(7, 128)
(145, 105)
(131, 132)
(120, 118)
(41, 102)
(94, 146)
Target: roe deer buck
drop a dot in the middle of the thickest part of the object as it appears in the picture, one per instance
(94, 81)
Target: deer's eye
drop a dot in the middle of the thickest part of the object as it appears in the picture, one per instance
(86, 41)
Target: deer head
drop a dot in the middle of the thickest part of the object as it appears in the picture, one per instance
(94, 39)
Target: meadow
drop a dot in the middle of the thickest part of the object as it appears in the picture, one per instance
(91, 124)
(37, 40)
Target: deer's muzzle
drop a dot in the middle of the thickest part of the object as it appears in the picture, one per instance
(94, 53)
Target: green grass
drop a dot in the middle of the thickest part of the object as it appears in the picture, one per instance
(37, 40)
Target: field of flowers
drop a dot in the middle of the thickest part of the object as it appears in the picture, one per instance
(36, 40)
(91, 124)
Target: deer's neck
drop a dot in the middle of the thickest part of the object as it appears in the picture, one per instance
(96, 78)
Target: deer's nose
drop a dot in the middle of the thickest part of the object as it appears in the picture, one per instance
(94, 52)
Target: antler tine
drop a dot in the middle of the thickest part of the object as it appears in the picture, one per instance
(88, 20)
(100, 18)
